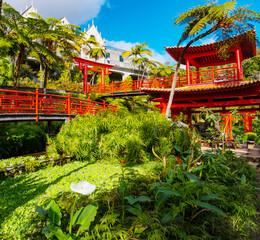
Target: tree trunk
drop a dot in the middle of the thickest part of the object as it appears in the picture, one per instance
(179, 64)
(45, 80)
(42, 75)
(17, 69)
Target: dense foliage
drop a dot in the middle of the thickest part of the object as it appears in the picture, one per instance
(24, 137)
(130, 137)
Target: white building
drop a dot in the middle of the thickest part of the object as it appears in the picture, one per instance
(122, 67)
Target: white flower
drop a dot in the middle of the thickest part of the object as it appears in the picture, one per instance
(83, 187)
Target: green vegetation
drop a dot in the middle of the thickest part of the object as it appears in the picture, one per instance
(123, 136)
(152, 182)
(24, 137)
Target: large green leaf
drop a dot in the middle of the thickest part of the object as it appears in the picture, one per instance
(132, 201)
(138, 213)
(210, 197)
(208, 206)
(49, 231)
(169, 191)
(54, 214)
(191, 176)
(85, 216)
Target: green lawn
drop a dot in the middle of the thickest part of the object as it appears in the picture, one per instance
(20, 195)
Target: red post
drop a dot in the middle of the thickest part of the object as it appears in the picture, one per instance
(230, 126)
(112, 84)
(88, 105)
(234, 72)
(85, 79)
(104, 104)
(163, 107)
(238, 60)
(69, 106)
(188, 71)
(250, 124)
(140, 85)
(16, 102)
(191, 78)
(246, 123)
(213, 74)
(50, 104)
(103, 81)
(37, 104)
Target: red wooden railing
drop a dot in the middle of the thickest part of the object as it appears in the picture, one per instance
(38, 103)
(205, 76)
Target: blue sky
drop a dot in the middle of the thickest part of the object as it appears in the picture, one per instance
(126, 23)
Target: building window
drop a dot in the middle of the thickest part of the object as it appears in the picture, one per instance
(108, 55)
(121, 58)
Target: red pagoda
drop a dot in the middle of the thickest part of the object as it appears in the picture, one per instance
(219, 88)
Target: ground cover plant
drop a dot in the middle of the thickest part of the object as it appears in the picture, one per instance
(164, 188)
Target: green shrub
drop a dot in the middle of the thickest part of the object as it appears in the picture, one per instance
(250, 136)
(124, 136)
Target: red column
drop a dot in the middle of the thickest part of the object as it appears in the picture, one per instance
(238, 61)
(250, 124)
(246, 123)
(230, 126)
(163, 107)
(188, 71)
(85, 79)
(103, 81)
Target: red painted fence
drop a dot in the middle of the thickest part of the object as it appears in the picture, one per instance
(205, 76)
(38, 103)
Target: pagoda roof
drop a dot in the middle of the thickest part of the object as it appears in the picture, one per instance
(207, 55)
(206, 88)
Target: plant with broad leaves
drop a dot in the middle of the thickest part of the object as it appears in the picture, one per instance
(83, 217)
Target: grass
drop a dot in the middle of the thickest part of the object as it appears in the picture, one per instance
(20, 195)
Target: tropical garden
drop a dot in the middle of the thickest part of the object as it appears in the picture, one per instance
(127, 175)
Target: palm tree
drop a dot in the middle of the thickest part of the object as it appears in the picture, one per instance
(138, 50)
(95, 52)
(135, 52)
(226, 20)
(144, 64)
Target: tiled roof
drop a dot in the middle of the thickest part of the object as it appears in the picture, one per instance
(248, 50)
(207, 88)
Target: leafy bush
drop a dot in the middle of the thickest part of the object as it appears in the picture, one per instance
(129, 137)
(250, 136)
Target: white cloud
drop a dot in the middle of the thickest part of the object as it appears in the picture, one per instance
(76, 11)
(208, 40)
(122, 45)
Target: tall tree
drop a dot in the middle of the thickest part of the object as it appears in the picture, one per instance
(226, 20)
(95, 51)
(144, 64)
(137, 53)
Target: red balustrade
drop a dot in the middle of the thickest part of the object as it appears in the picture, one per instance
(206, 76)
(38, 103)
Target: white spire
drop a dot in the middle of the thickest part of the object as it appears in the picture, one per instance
(32, 3)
